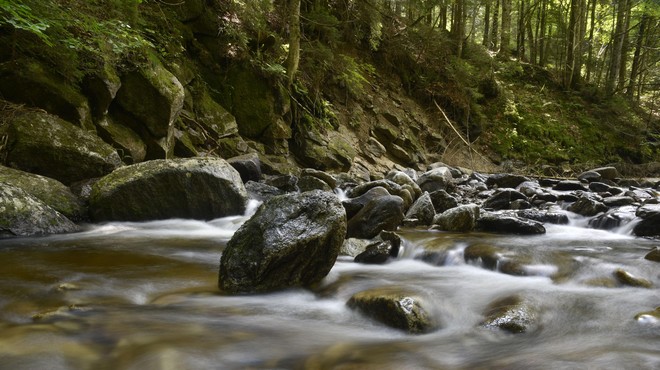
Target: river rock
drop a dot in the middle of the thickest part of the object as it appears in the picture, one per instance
(22, 214)
(198, 188)
(613, 218)
(327, 178)
(505, 180)
(44, 144)
(442, 201)
(653, 255)
(354, 205)
(436, 179)
(382, 213)
(650, 223)
(375, 253)
(458, 219)
(588, 205)
(422, 210)
(567, 185)
(599, 187)
(403, 179)
(487, 255)
(248, 166)
(507, 224)
(261, 191)
(649, 317)
(502, 199)
(626, 278)
(292, 240)
(607, 173)
(618, 201)
(552, 217)
(391, 187)
(51, 192)
(353, 246)
(396, 308)
(589, 176)
(512, 314)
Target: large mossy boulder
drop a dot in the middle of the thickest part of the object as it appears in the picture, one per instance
(29, 82)
(22, 214)
(292, 240)
(49, 191)
(396, 308)
(44, 144)
(197, 188)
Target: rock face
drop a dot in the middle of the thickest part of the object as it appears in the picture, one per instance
(21, 214)
(49, 191)
(395, 308)
(46, 145)
(292, 240)
(199, 188)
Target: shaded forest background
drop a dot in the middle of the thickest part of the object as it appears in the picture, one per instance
(523, 82)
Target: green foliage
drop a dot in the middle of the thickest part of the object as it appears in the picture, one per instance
(353, 75)
(21, 17)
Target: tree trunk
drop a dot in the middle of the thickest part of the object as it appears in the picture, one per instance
(634, 70)
(581, 30)
(570, 44)
(294, 41)
(495, 26)
(541, 39)
(590, 57)
(505, 38)
(624, 49)
(486, 39)
(617, 47)
(520, 35)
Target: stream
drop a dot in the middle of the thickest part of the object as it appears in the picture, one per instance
(144, 296)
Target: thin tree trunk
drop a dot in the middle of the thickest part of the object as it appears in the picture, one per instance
(293, 58)
(486, 39)
(495, 26)
(617, 46)
(624, 48)
(590, 58)
(505, 38)
(634, 70)
(541, 38)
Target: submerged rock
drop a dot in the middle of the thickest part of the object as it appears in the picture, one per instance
(512, 314)
(292, 240)
(653, 255)
(626, 278)
(198, 188)
(22, 214)
(649, 317)
(396, 308)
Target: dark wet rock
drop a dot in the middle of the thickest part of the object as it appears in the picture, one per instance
(485, 254)
(628, 183)
(558, 218)
(505, 180)
(286, 183)
(613, 218)
(198, 188)
(22, 214)
(261, 191)
(395, 308)
(650, 223)
(626, 278)
(618, 201)
(51, 192)
(545, 197)
(502, 199)
(588, 205)
(459, 219)
(640, 195)
(512, 314)
(392, 188)
(567, 185)
(422, 210)
(376, 253)
(529, 188)
(436, 179)
(607, 173)
(653, 255)
(292, 240)
(599, 187)
(354, 205)
(382, 213)
(248, 166)
(509, 225)
(442, 201)
(570, 198)
(589, 176)
(520, 204)
(44, 144)
(548, 183)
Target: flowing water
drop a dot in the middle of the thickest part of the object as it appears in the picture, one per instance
(144, 296)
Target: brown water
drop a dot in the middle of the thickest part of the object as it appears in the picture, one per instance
(144, 296)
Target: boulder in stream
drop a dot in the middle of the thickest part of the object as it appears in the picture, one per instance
(588, 205)
(460, 219)
(197, 188)
(292, 240)
(513, 314)
(382, 213)
(653, 255)
(650, 223)
(395, 307)
(507, 224)
(626, 278)
(22, 214)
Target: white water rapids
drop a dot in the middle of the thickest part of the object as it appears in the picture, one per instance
(144, 296)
